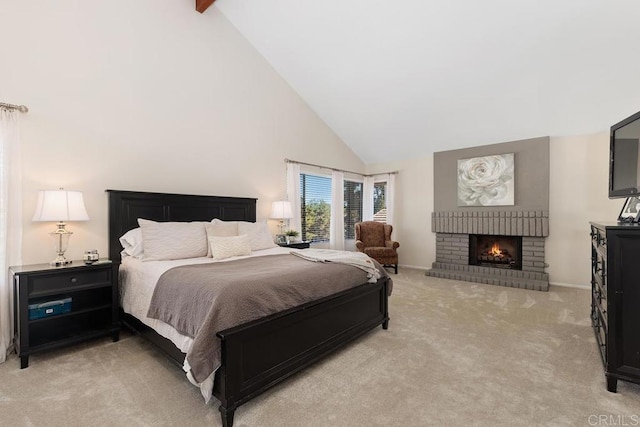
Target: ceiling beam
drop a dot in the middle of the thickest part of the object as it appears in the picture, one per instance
(202, 5)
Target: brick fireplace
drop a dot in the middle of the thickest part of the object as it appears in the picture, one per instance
(454, 247)
(527, 219)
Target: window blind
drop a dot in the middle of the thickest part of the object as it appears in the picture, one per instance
(315, 207)
(352, 207)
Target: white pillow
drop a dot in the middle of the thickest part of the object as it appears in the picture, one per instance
(173, 240)
(131, 242)
(226, 247)
(258, 232)
(220, 229)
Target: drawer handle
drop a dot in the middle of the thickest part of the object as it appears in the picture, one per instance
(74, 280)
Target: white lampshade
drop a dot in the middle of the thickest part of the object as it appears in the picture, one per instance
(60, 205)
(281, 210)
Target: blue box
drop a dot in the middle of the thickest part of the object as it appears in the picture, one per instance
(49, 308)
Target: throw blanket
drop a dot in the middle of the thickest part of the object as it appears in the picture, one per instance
(202, 299)
(355, 259)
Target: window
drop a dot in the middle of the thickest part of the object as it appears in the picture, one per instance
(315, 205)
(379, 202)
(352, 207)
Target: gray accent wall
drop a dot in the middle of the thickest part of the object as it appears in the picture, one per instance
(531, 167)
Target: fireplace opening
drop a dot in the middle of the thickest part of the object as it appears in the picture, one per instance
(495, 251)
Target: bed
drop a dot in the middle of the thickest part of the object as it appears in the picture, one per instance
(313, 330)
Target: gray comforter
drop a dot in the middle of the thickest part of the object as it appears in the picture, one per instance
(202, 299)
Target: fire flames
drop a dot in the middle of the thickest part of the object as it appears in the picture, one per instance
(495, 250)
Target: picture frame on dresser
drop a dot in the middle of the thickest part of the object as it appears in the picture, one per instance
(630, 210)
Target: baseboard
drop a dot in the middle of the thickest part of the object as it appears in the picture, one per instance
(569, 285)
(416, 267)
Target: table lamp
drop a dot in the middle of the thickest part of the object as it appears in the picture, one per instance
(281, 210)
(60, 205)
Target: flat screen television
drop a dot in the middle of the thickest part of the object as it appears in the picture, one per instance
(624, 163)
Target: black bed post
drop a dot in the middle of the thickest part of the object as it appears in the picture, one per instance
(227, 416)
(385, 302)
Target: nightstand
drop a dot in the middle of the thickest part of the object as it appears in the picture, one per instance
(295, 245)
(58, 306)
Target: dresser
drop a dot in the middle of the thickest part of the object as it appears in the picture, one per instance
(615, 299)
(59, 306)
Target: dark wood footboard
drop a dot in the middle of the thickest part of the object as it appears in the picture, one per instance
(262, 353)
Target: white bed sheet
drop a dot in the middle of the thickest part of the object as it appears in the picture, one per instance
(138, 280)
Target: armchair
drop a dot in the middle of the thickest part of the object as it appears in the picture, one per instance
(374, 239)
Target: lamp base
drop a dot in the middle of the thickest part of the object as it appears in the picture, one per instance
(60, 261)
(61, 242)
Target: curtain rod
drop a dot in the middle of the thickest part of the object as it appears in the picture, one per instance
(21, 108)
(338, 170)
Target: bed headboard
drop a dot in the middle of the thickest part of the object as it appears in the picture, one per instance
(125, 207)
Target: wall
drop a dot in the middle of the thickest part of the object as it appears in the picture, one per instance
(578, 182)
(148, 95)
(413, 207)
(531, 168)
(578, 195)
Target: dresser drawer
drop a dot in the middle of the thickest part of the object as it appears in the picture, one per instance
(598, 237)
(601, 337)
(600, 285)
(47, 284)
(600, 302)
(599, 323)
(599, 269)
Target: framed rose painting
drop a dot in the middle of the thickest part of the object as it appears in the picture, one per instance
(486, 181)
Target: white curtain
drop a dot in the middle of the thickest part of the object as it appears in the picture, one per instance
(336, 230)
(10, 219)
(367, 198)
(293, 195)
(390, 196)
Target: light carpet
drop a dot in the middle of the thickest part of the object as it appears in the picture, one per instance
(455, 353)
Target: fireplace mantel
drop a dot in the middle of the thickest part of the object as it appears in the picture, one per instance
(506, 223)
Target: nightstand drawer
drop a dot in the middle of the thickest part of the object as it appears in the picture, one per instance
(49, 284)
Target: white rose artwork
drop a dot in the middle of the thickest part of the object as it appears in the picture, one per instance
(486, 181)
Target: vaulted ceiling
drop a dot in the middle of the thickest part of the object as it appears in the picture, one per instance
(397, 79)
